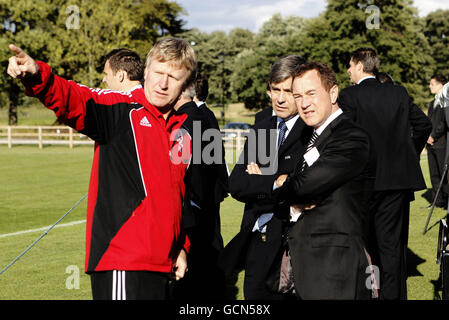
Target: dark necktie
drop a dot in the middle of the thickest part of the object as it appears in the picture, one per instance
(266, 217)
(282, 130)
(309, 147)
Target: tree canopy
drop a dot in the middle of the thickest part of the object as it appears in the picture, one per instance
(73, 36)
(436, 31)
(410, 48)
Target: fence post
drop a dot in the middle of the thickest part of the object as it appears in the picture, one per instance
(40, 137)
(9, 137)
(70, 138)
(239, 136)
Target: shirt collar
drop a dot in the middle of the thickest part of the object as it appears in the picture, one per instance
(331, 118)
(289, 123)
(364, 78)
(135, 87)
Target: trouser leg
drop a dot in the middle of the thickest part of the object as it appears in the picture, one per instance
(391, 222)
(129, 285)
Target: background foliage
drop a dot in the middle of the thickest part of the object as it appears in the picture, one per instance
(411, 48)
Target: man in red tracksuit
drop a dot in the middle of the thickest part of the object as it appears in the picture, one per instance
(123, 71)
(134, 239)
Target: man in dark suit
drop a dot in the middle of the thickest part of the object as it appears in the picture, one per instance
(327, 197)
(263, 114)
(205, 189)
(436, 143)
(399, 130)
(253, 177)
(201, 93)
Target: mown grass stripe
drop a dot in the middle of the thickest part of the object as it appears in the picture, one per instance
(41, 229)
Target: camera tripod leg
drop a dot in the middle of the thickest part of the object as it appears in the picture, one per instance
(443, 176)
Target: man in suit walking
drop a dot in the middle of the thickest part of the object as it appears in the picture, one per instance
(399, 130)
(436, 143)
(253, 177)
(327, 197)
(201, 93)
(201, 206)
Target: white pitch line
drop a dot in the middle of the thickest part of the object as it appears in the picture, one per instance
(41, 229)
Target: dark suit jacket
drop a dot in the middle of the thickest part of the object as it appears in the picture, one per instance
(222, 185)
(439, 128)
(397, 127)
(210, 115)
(256, 190)
(263, 114)
(200, 179)
(327, 242)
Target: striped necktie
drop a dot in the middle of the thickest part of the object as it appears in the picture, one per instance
(266, 217)
(282, 130)
(309, 147)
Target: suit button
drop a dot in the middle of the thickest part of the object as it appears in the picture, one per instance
(263, 237)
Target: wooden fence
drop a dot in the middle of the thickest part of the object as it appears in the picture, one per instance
(42, 135)
(63, 135)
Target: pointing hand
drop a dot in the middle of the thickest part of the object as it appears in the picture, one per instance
(21, 64)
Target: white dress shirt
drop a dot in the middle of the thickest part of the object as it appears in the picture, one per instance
(364, 78)
(294, 212)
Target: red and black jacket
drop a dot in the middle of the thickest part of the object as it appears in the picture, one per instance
(136, 190)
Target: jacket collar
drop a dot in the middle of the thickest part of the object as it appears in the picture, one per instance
(367, 81)
(299, 131)
(328, 130)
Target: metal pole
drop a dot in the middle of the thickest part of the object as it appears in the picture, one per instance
(221, 56)
(222, 88)
(435, 199)
(44, 234)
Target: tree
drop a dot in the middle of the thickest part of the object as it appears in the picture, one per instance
(249, 80)
(392, 27)
(101, 27)
(277, 37)
(436, 30)
(208, 48)
(26, 24)
(154, 19)
(73, 36)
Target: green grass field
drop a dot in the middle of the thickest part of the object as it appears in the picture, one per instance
(39, 186)
(32, 115)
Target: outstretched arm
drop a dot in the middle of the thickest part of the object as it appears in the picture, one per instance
(84, 109)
